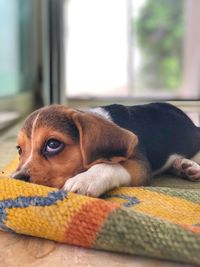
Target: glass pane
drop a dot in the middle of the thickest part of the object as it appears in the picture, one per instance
(17, 58)
(15, 46)
(97, 48)
(9, 48)
(159, 29)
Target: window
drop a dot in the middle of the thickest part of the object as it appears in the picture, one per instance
(97, 52)
(133, 48)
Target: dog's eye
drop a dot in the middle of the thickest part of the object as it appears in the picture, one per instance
(53, 146)
(19, 150)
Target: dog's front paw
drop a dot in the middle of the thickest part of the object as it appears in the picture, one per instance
(98, 179)
(85, 184)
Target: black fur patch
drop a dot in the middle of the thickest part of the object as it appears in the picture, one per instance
(162, 130)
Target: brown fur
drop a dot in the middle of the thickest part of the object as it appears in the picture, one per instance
(88, 139)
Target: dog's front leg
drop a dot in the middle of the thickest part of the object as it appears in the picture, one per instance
(98, 179)
(103, 177)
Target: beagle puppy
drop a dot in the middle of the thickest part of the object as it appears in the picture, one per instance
(90, 152)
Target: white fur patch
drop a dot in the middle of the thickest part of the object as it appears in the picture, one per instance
(98, 179)
(32, 140)
(187, 168)
(101, 112)
(167, 164)
(175, 159)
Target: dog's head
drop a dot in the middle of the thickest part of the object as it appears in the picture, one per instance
(56, 143)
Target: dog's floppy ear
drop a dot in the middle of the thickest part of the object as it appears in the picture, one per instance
(102, 141)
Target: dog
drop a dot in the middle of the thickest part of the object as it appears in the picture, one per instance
(90, 152)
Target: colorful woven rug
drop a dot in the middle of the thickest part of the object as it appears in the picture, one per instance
(150, 221)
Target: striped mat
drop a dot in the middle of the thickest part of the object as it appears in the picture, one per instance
(149, 221)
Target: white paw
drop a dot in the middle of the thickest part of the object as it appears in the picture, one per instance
(97, 180)
(84, 185)
(90, 183)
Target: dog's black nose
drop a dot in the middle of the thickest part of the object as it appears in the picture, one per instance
(21, 176)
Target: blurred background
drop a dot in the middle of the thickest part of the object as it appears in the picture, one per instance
(94, 52)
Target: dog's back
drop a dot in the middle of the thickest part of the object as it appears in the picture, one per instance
(162, 129)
